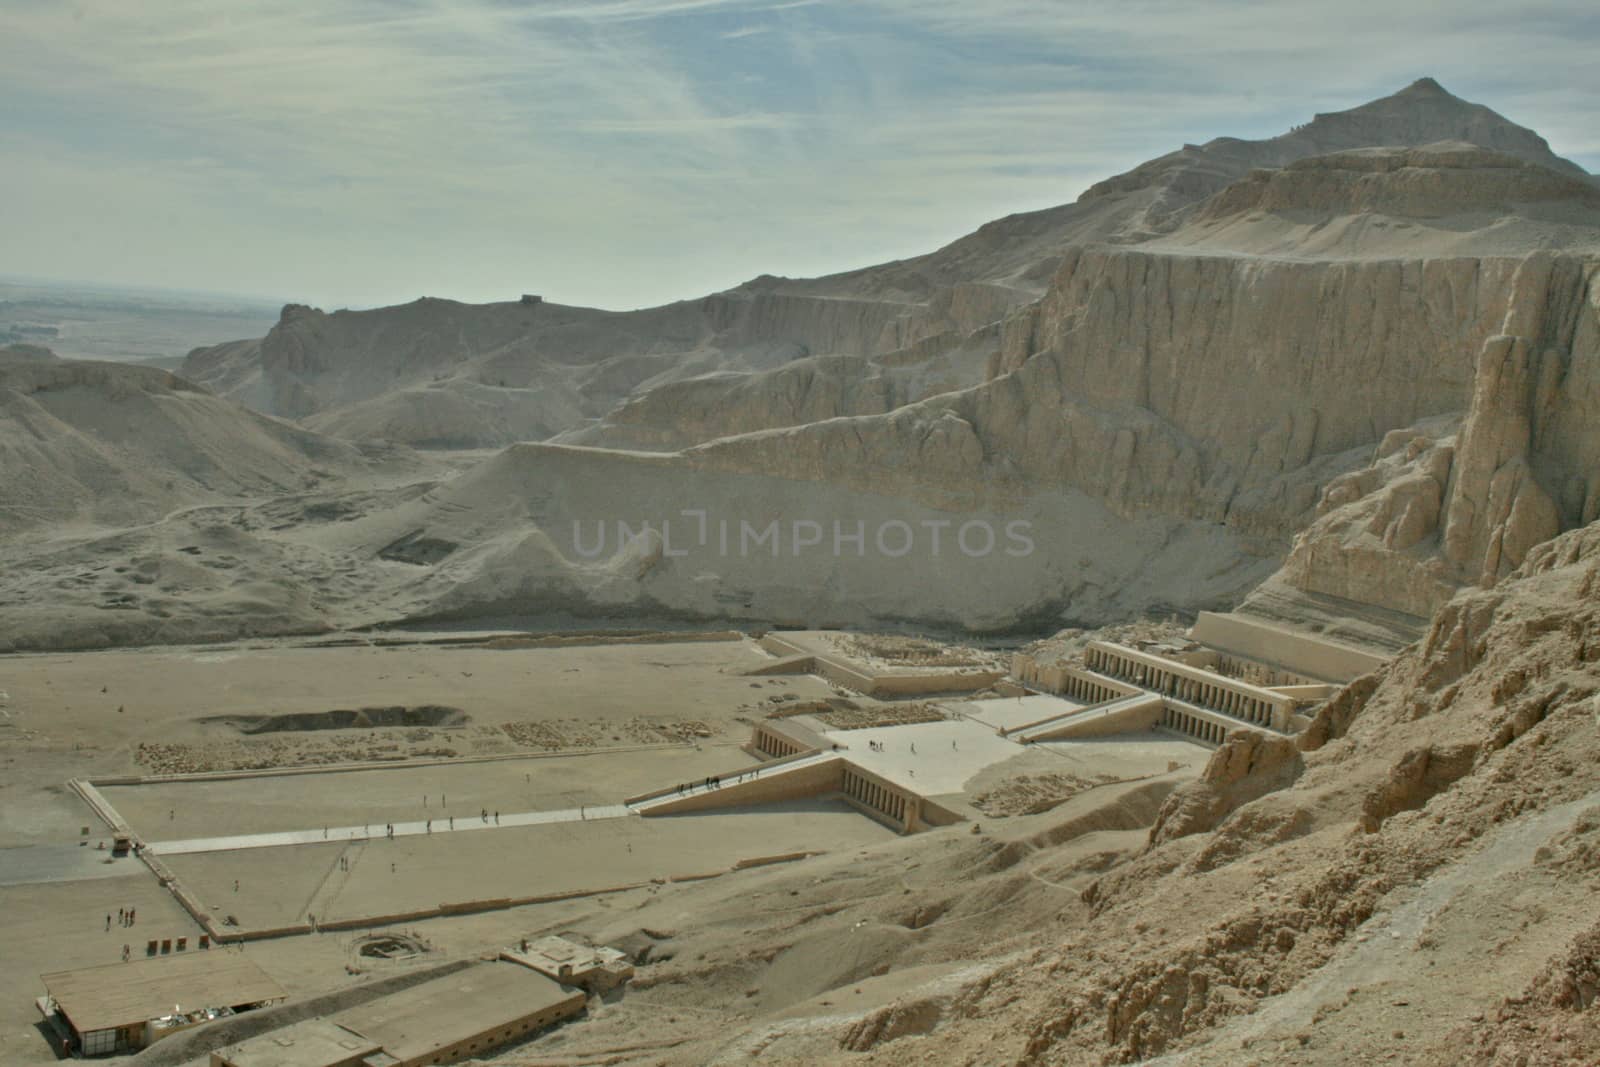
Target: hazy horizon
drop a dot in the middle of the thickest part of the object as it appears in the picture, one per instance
(634, 152)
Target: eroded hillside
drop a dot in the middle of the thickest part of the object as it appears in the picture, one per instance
(1366, 352)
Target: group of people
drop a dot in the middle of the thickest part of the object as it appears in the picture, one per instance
(124, 917)
(877, 746)
(711, 782)
(388, 828)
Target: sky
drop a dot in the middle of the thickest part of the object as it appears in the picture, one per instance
(624, 153)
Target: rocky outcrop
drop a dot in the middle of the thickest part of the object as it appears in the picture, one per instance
(1375, 539)
(1432, 181)
(1246, 766)
(1530, 449)
(1439, 505)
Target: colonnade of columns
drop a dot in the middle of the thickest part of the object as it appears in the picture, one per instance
(875, 796)
(1211, 691)
(1088, 690)
(775, 746)
(1194, 725)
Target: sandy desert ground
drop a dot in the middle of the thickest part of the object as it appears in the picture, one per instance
(593, 723)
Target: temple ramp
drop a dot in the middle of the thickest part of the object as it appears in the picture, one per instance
(809, 775)
(802, 664)
(1131, 714)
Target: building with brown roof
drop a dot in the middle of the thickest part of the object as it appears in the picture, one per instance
(125, 1006)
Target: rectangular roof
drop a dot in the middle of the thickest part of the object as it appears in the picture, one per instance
(456, 1007)
(313, 1043)
(122, 994)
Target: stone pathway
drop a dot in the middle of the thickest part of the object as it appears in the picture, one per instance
(463, 823)
(735, 778)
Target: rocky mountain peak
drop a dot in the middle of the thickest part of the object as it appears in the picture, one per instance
(1422, 113)
(1426, 86)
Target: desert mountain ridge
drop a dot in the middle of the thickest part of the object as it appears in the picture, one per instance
(1357, 359)
(1342, 383)
(443, 374)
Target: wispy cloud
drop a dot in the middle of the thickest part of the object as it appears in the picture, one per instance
(630, 151)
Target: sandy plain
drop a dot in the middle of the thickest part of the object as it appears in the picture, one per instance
(532, 733)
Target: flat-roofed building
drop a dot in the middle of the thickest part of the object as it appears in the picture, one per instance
(596, 969)
(313, 1043)
(125, 1006)
(468, 1013)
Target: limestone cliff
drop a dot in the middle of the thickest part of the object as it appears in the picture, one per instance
(1365, 350)
(531, 370)
(1428, 515)
(1431, 181)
